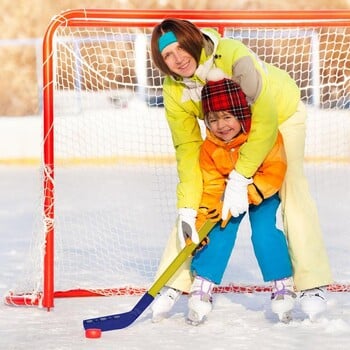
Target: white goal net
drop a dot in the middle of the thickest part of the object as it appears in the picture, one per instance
(108, 200)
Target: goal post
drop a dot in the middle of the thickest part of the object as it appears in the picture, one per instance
(108, 169)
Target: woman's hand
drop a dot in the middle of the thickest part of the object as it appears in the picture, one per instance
(186, 227)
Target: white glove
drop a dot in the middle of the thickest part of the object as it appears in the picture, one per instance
(236, 195)
(186, 226)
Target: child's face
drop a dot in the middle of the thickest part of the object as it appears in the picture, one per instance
(224, 125)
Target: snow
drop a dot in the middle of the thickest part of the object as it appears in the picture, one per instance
(238, 321)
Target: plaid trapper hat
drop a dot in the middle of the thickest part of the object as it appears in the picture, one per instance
(226, 95)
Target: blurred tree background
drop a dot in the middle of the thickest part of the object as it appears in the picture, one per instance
(26, 21)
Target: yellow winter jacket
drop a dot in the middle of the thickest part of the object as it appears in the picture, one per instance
(217, 159)
(273, 95)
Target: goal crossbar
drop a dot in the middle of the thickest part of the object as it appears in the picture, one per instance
(73, 62)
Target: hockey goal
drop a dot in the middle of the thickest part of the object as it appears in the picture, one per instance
(108, 169)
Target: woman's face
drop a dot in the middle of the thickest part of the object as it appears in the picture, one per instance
(179, 61)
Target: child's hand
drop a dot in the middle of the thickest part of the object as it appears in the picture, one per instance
(236, 195)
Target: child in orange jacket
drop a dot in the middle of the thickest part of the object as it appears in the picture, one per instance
(227, 117)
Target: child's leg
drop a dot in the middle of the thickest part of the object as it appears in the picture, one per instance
(271, 251)
(283, 298)
(208, 267)
(210, 262)
(269, 243)
(200, 300)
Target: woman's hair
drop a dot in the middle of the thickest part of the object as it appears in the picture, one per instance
(189, 37)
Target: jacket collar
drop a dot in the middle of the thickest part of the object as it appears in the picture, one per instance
(234, 143)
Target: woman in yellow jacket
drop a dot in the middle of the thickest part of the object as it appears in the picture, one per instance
(185, 55)
(228, 118)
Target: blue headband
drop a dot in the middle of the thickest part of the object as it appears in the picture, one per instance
(165, 40)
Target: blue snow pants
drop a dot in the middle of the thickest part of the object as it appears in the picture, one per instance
(269, 244)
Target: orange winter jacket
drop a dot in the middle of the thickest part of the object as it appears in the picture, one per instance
(218, 159)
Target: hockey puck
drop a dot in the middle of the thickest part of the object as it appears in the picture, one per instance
(93, 333)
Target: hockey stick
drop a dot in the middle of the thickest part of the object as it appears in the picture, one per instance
(123, 320)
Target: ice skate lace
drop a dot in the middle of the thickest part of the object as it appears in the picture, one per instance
(172, 294)
(315, 292)
(279, 294)
(204, 295)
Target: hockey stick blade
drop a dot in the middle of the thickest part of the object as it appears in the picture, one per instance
(123, 320)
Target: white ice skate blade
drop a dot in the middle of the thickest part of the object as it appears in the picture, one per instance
(314, 309)
(315, 317)
(285, 317)
(159, 317)
(194, 319)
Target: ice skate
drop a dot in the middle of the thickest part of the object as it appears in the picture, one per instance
(200, 301)
(164, 303)
(283, 299)
(313, 302)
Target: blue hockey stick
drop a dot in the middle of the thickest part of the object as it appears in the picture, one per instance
(123, 320)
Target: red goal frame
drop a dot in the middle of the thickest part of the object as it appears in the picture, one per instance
(138, 18)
